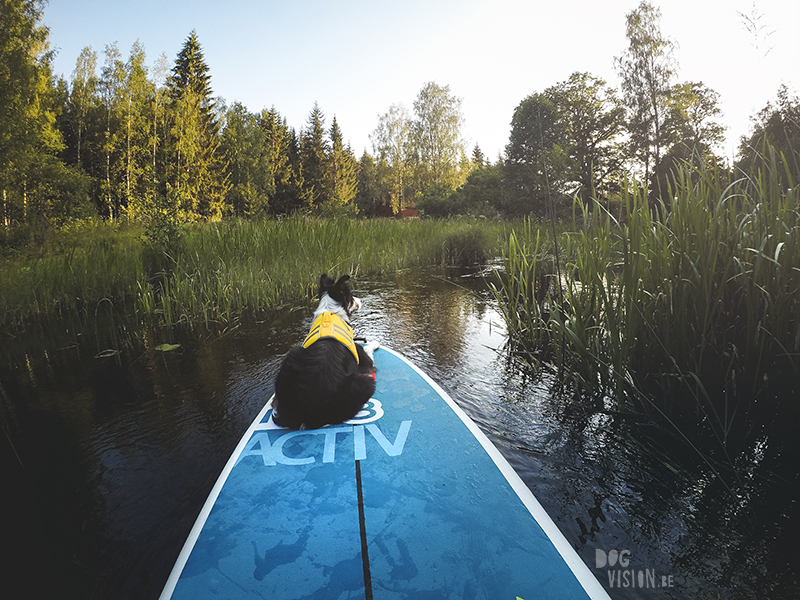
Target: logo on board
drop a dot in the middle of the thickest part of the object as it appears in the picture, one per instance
(622, 575)
(273, 443)
(372, 411)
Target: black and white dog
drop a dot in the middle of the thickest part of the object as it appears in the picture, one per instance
(329, 378)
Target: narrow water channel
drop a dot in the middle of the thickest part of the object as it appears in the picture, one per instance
(109, 448)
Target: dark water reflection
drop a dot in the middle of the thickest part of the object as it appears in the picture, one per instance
(113, 456)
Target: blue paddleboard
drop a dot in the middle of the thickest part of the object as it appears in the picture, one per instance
(408, 500)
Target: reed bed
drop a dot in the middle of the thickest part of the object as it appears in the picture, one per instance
(223, 269)
(75, 271)
(213, 273)
(693, 303)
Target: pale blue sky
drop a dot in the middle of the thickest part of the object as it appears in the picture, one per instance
(356, 58)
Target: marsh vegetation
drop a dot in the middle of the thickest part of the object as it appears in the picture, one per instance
(687, 308)
(214, 273)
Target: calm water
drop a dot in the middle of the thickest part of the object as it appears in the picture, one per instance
(110, 448)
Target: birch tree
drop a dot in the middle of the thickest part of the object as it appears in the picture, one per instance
(391, 146)
(82, 94)
(112, 82)
(646, 70)
(436, 136)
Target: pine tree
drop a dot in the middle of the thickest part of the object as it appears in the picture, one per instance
(195, 173)
(281, 156)
(343, 168)
(314, 155)
(478, 158)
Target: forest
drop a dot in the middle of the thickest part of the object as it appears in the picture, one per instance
(126, 141)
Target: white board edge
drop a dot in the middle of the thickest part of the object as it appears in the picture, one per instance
(188, 546)
(588, 581)
(582, 573)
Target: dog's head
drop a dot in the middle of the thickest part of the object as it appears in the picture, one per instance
(335, 296)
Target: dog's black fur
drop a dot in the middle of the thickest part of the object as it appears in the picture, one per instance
(323, 384)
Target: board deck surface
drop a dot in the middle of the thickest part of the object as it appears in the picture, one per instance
(408, 500)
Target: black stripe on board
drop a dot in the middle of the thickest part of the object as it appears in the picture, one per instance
(362, 525)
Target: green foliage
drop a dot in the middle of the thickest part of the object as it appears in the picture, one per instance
(436, 201)
(391, 142)
(196, 170)
(564, 141)
(80, 105)
(777, 126)
(646, 70)
(419, 157)
(482, 193)
(691, 133)
(534, 157)
(694, 304)
(84, 122)
(436, 137)
(370, 190)
(480, 196)
(694, 109)
(212, 273)
(35, 187)
(342, 168)
(164, 228)
(244, 144)
(284, 169)
(478, 159)
(112, 83)
(14, 239)
(314, 153)
(592, 119)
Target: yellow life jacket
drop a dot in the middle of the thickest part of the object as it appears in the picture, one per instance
(330, 324)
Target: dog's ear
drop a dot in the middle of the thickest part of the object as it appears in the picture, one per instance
(341, 293)
(325, 284)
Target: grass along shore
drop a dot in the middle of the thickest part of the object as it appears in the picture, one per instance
(213, 273)
(691, 307)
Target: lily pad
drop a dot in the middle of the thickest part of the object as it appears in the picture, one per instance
(167, 347)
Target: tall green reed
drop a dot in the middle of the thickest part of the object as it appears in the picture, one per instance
(524, 287)
(213, 273)
(694, 301)
(74, 276)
